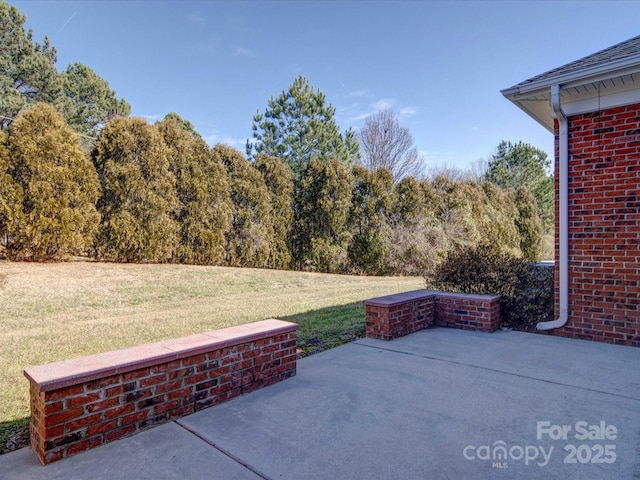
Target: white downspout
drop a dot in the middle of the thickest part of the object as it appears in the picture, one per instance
(563, 158)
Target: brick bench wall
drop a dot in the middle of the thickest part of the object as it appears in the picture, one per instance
(85, 402)
(397, 315)
(467, 312)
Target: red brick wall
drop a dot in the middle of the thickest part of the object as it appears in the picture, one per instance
(467, 312)
(604, 226)
(70, 415)
(397, 315)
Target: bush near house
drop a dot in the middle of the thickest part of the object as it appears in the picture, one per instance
(526, 289)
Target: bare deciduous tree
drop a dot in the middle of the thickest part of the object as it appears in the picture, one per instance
(385, 143)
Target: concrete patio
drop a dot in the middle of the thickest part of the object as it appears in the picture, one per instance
(440, 403)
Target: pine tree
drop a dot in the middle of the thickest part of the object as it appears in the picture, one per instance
(139, 200)
(59, 185)
(87, 100)
(27, 69)
(298, 126)
(519, 164)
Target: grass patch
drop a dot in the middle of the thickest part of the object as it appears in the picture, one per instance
(328, 327)
(53, 312)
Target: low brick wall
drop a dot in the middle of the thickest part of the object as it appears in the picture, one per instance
(397, 315)
(85, 402)
(468, 312)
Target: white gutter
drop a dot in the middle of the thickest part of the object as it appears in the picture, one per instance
(563, 158)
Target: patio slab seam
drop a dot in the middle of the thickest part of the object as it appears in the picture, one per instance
(225, 452)
(519, 375)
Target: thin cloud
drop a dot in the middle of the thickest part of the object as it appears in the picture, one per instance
(359, 94)
(214, 139)
(360, 117)
(196, 18)
(384, 103)
(381, 104)
(356, 114)
(152, 118)
(239, 51)
(406, 111)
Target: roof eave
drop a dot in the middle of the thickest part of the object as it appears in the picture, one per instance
(524, 93)
(546, 119)
(613, 69)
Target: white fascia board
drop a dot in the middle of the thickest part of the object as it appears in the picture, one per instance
(609, 98)
(580, 77)
(533, 98)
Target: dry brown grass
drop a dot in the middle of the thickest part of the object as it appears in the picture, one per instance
(51, 312)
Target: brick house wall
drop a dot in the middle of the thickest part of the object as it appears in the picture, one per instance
(604, 226)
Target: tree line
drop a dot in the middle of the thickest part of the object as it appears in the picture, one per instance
(79, 177)
(158, 193)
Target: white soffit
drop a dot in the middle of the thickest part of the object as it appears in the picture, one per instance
(606, 79)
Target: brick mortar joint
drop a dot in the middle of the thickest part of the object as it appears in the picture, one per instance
(284, 333)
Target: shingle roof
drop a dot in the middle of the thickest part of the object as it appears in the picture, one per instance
(612, 74)
(620, 51)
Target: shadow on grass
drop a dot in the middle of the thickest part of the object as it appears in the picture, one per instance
(320, 330)
(14, 434)
(328, 327)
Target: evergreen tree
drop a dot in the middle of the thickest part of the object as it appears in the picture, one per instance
(372, 202)
(251, 237)
(497, 218)
(297, 126)
(457, 205)
(203, 191)
(139, 200)
(87, 100)
(418, 242)
(11, 214)
(27, 69)
(59, 185)
(321, 235)
(529, 224)
(278, 178)
(519, 164)
(184, 124)
(472, 214)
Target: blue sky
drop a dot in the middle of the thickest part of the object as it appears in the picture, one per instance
(440, 65)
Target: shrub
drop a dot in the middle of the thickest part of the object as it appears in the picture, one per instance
(202, 187)
(278, 178)
(250, 241)
(321, 236)
(139, 199)
(526, 289)
(47, 204)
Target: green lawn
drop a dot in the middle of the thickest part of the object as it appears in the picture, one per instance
(52, 312)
